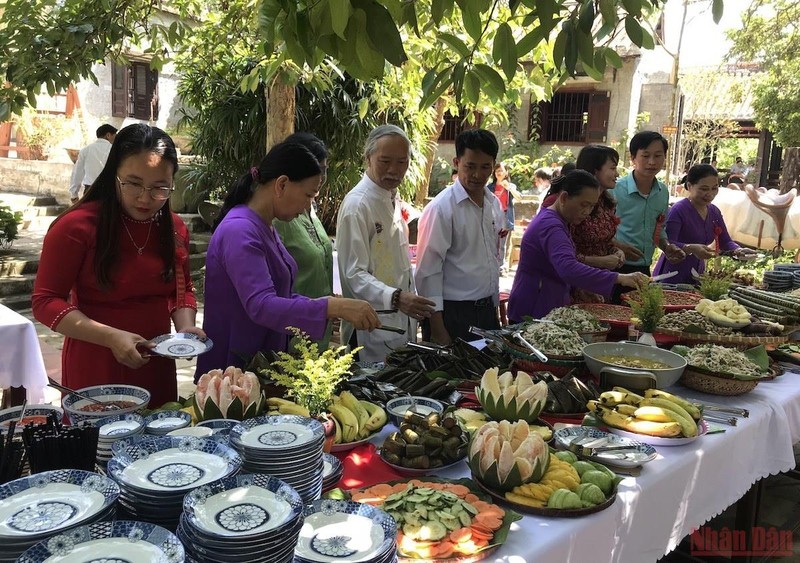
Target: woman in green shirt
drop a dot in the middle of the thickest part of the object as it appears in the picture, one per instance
(308, 243)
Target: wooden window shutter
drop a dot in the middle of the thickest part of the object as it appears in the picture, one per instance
(141, 91)
(597, 128)
(119, 90)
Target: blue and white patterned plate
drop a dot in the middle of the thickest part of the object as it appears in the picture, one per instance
(243, 506)
(166, 421)
(641, 452)
(171, 464)
(219, 424)
(397, 408)
(336, 530)
(332, 467)
(278, 432)
(181, 345)
(109, 542)
(45, 503)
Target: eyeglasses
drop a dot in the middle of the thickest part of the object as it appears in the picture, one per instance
(135, 189)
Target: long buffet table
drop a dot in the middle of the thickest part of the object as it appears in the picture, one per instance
(676, 493)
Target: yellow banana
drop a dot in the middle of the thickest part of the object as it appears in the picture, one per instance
(627, 410)
(656, 414)
(337, 437)
(278, 402)
(612, 398)
(649, 428)
(688, 425)
(362, 416)
(633, 398)
(348, 421)
(690, 408)
(377, 416)
(592, 405)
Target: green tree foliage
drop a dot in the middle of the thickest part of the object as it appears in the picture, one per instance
(770, 35)
(45, 45)
(507, 31)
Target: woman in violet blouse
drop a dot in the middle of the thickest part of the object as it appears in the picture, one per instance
(696, 225)
(548, 266)
(250, 275)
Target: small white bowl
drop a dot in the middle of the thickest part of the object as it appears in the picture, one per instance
(397, 408)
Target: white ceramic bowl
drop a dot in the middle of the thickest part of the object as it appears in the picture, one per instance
(397, 408)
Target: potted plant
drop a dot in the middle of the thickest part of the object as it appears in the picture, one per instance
(648, 307)
(310, 378)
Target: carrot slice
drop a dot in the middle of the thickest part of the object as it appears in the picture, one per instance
(445, 549)
(471, 498)
(489, 520)
(481, 532)
(459, 490)
(481, 542)
(461, 534)
(382, 490)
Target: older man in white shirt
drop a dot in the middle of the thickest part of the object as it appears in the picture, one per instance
(372, 246)
(91, 161)
(460, 243)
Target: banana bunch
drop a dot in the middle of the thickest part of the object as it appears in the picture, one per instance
(355, 419)
(559, 475)
(657, 413)
(723, 312)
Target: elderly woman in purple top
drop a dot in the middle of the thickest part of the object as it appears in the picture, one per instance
(249, 302)
(696, 225)
(548, 266)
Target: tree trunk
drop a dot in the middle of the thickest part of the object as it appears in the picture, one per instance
(280, 110)
(790, 171)
(430, 153)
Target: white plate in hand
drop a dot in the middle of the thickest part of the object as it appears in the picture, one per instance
(181, 345)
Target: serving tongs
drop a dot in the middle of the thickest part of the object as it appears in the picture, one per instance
(721, 419)
(519, 339)
(744, 413)
(594, 446)
(429, 347)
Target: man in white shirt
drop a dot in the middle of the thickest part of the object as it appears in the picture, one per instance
(91, 161)
(372, 246)
(459, 245)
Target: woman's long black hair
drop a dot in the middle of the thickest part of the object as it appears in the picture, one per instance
(131, 140)
(293, 160)
(592, 158)
(573, 183)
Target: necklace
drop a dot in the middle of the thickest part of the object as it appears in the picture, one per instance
(136, 246)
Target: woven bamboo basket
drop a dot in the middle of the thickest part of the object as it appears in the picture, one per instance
(731, 340)
(706, 382)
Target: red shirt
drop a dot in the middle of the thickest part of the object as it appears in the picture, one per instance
(139, 300)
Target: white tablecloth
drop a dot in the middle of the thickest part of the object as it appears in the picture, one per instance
(21, 362)
(676, 493)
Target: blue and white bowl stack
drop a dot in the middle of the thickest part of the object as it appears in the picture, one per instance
(119, 540)
(285, 446)
(335, 530)
(163, 422)
(155, 472)
(35, 508)
(252, 518)
(114, 428)
(76, 407)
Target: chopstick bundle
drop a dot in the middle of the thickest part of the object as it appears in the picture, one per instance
(50, 446)
(12, 456)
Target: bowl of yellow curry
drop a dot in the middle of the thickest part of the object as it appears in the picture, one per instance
(618, 360)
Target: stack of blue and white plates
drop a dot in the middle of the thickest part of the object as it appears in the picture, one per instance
(332, 470)
(252, 518)
(34, 508)
(779, 280)
(120, 540)
(335, 530)
(155, 472)
(114, 428)
(164, 422)
(285, 446)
